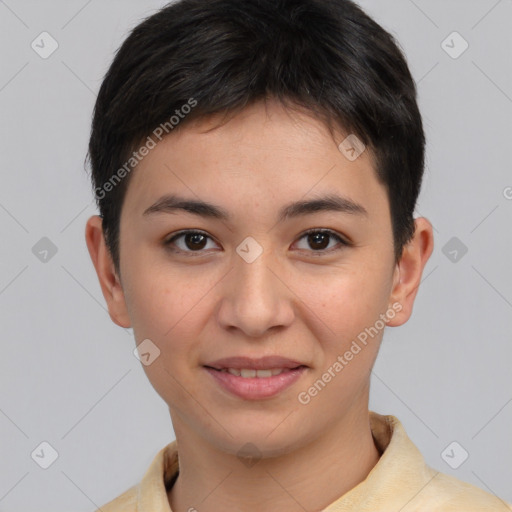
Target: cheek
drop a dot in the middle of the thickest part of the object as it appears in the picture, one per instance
(346, 300)
(345, 309)
(165, 303)
(167, 309)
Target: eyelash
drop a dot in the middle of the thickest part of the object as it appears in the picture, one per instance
(344, 243)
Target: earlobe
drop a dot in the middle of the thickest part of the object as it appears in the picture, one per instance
(107, 276)
(409, 269)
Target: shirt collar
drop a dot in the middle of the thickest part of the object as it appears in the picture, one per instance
(399, 475)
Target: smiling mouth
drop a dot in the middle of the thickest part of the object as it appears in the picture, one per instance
(248, 373)
(256, 383)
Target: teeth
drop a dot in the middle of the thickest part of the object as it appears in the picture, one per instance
(250, 373)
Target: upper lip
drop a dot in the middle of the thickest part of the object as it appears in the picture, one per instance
(263, 363)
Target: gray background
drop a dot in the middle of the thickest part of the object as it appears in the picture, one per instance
(68, 374)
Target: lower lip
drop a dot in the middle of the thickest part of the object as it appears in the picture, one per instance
(255, 388)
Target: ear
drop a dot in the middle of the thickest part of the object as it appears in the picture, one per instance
(109, 281)
(408, 271)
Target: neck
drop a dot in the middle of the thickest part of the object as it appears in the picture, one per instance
(308, 478)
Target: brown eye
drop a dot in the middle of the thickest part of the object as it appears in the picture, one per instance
(320, 240)
(195, 241)
(189, 242)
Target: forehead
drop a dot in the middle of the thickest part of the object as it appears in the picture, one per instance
(264, 154)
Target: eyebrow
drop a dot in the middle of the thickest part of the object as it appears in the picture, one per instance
(171, 203)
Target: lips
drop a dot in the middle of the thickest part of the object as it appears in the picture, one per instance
(247, 363)
(255, 379)
(255, 388)
(248, 373)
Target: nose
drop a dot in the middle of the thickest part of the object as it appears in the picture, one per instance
(255, 297)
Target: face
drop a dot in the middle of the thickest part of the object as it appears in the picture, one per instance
(258, 277)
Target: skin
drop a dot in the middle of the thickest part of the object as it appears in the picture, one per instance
(290, 301)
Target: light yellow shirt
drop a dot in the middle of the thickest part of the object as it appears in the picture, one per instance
(399, 482)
